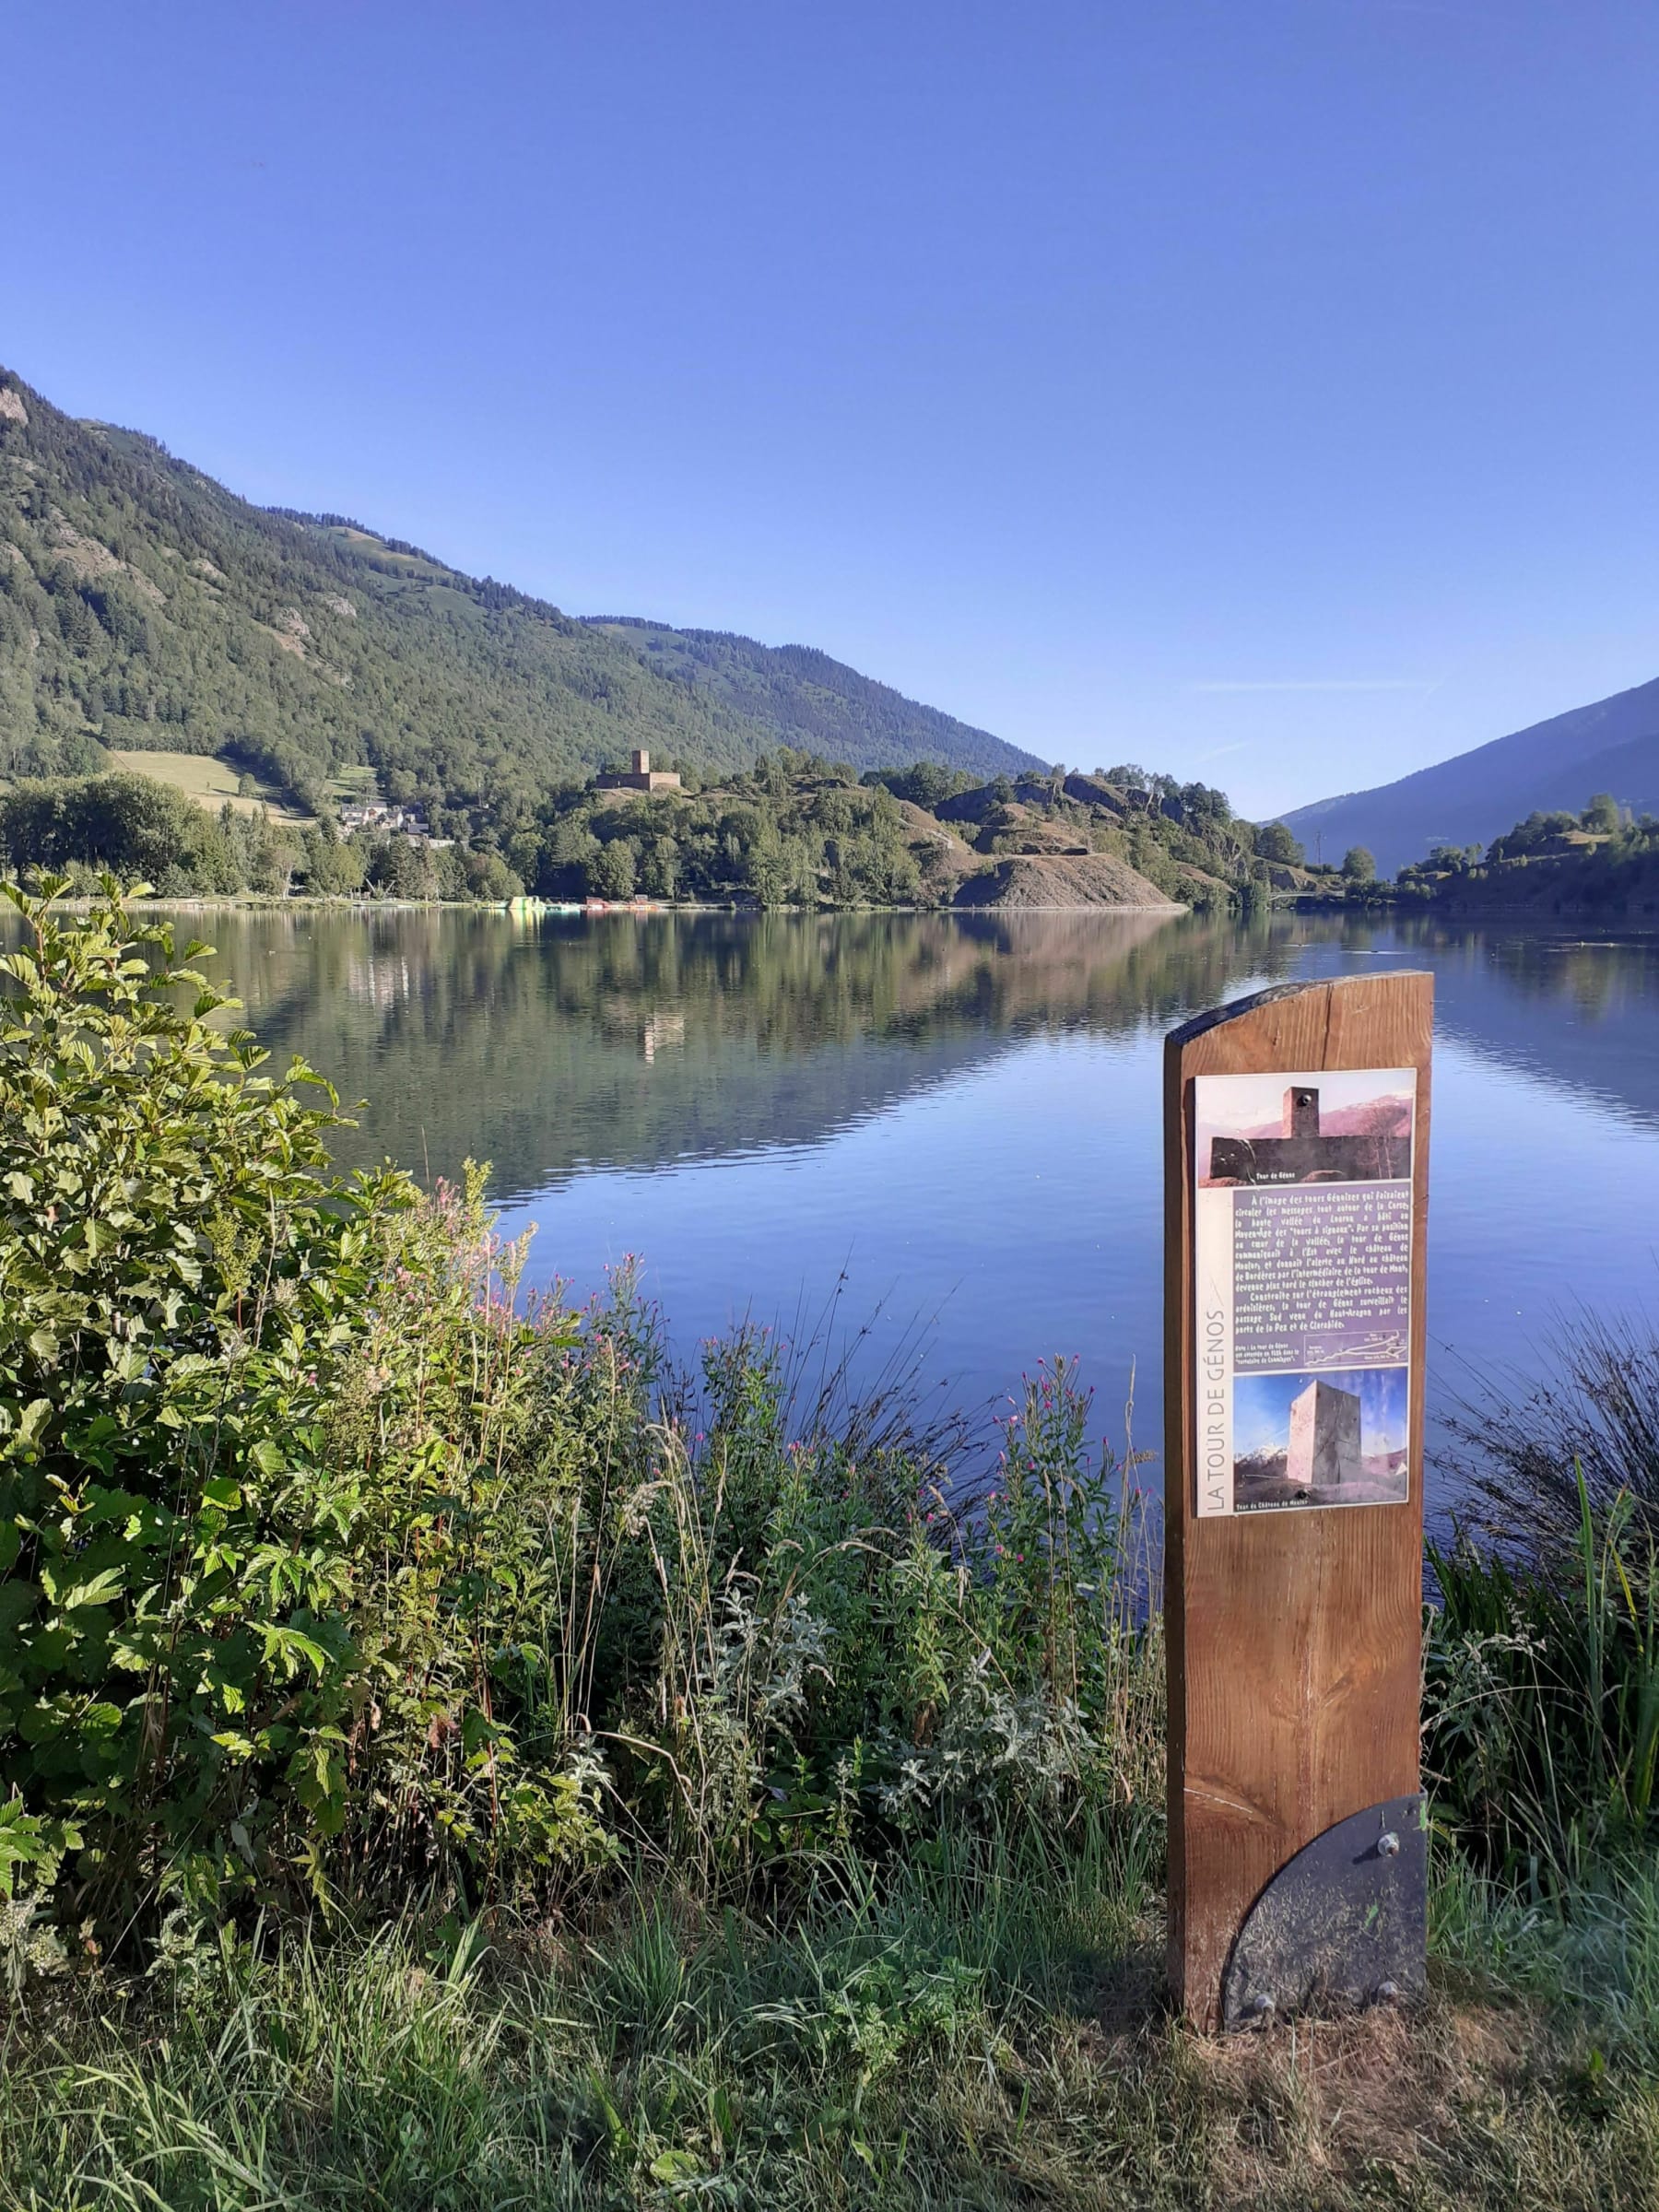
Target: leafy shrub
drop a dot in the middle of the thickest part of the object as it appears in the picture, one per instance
(174, 1261)
(329, 1564)
(229, 1526)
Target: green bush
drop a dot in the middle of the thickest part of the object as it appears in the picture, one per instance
(177, 1271)
(237, 1502)
(329, 1565)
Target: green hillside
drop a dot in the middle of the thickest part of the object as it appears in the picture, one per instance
(144, 608)
(1602, 862)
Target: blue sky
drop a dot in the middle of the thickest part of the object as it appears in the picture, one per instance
(1263, 391)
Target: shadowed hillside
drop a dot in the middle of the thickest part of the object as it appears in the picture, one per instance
(1612, 745)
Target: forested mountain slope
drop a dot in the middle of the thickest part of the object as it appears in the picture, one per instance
(814, 703)
(1612, 745)
(144, 606)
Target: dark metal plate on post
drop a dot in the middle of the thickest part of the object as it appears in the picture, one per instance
(1343, 1923)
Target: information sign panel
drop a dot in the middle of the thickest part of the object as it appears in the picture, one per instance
(1296, 1194)
(1302, 1229)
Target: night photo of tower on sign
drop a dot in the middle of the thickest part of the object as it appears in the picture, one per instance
(1303, 1220)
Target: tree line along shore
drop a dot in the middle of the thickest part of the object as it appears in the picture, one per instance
(797, 831)
(794, 830)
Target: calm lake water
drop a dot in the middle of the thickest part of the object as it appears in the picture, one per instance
(947, 1130)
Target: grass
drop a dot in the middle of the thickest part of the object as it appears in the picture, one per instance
(209, 782)
(982, 2028)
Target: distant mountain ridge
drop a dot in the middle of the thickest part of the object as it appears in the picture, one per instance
(143, 606)
(812, 702)
(1561, 763)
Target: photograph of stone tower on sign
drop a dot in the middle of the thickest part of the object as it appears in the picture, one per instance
(1348, 1126)
(1325, 1450)
(1335, 1439)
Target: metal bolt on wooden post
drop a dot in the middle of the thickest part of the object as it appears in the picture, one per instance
(1296, 1128)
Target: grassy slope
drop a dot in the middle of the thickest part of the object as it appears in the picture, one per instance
(210, 782)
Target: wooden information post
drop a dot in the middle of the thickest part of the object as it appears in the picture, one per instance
(1296, 1135)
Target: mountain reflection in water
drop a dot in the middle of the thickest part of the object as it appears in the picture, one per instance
(960, 1115)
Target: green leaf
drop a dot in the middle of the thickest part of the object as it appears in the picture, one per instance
(35, 1415)
(675, 2166)
(102, 1590)
(291, 1646)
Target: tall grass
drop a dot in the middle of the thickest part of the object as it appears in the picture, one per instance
(1525, 1445)
(1543, 1699)
(977, 2026)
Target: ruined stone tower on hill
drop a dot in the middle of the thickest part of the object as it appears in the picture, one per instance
(641, 776)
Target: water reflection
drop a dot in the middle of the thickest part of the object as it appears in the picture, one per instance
(567, 1044)
(956, 1121)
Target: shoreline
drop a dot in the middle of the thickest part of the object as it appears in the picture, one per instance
(536, 909)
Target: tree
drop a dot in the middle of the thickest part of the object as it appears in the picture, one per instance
(400, 869)
(487, 875)
(331, 868)
(1602, 815)
(923, 782)
(613, 872)
(1274, 843)
(1360, 864)
(1204, 803)
(659, 870)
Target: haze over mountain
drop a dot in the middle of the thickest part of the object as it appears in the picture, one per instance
(143, 606)
(1561, 763)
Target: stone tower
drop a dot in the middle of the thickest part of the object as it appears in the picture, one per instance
(1301, 1112)
(1324, 1438)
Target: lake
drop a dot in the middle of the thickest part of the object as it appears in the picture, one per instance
(944, 1132)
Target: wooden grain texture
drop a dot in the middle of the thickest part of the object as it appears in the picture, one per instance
(1294, 1636)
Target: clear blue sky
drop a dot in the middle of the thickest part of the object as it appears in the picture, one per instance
(1265, 389)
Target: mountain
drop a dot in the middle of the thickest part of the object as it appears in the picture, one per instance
(811, 703)
(1558, 764)
(144, 608)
